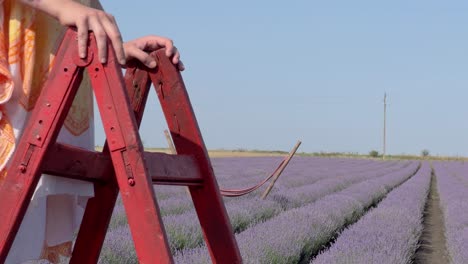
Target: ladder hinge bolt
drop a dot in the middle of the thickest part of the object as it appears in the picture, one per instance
(131, 182)
(22, 168)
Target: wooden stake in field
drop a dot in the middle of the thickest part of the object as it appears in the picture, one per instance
(172, 149)
(281, 169)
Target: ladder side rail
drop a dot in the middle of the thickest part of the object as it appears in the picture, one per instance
(98, 212)
(138, 84)
(127, 155)
(187, 138)
(95, 223)
(39, 135)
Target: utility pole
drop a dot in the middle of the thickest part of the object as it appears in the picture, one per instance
(385, 127)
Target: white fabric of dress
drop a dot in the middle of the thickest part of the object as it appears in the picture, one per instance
(29, 39)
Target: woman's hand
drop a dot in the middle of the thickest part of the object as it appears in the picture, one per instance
(85, 19)
(141, 47)
(101, 23)
(104, 26)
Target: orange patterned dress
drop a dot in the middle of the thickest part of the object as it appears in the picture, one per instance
(28, 41)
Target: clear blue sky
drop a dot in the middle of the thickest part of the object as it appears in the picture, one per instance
(262, 74)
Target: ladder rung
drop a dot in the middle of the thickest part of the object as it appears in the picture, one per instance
(76, 163)
(168, 169)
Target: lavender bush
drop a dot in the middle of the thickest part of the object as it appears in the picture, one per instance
(294, 235)
(245, 212)
(314, 198)
(249, 210)
(388, 233)
(118, 247)
(294, 197)
(451, 184)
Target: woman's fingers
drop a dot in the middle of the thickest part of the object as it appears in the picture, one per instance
(181, 66)
(141, 47)
(113, 33)
(101, 37)
(87, 19)
(104, 27)
(82, 26)
(133, 52)
(175, 56)
(156, 42)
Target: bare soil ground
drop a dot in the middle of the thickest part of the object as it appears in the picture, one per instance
(433, 246)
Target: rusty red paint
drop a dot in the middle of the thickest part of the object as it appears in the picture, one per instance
(121, 164)
(187, 138)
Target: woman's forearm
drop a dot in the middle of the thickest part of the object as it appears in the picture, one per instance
(50, 7)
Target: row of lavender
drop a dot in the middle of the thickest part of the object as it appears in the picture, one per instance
(184, 231)
(326, 184)
(288, 194)
(297, 172)
(390, 232)
(247, 171)
(333, 175)
(294, 235)
(452, 183)
(244, 172)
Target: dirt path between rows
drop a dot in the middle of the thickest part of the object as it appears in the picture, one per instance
(433, 247)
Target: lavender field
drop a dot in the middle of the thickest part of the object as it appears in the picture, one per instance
(322, 210)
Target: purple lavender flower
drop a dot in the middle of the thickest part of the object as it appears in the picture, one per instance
(390, 232)
(295, 234)
(452, 186)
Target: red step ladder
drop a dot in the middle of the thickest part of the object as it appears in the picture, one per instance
(122, 165)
